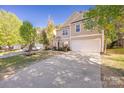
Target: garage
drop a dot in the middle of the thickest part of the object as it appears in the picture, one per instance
(86, 45)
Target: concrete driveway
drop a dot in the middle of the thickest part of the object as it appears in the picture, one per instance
(72, 69)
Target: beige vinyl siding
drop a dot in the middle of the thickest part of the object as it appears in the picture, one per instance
(65, 28)
(83, 30)
(88, 40)
(59, 33)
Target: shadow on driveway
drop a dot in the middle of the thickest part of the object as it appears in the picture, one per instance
(69, 70)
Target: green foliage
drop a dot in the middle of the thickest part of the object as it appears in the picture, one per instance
(39, 35)
(107, 18)
(45, 39)
(27, 32)
(9, 28)
(50, 34)
(47, 35)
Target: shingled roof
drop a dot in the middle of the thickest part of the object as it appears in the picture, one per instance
(73, 18)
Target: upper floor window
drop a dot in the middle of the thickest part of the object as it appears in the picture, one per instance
(78, 28)
(65, 32)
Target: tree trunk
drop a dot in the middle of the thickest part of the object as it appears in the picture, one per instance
(58, 45)
(66, 49)
(29, 50)
(46, 47)
(10, 48)
(30, 47)
(105, 48)
(105, 41)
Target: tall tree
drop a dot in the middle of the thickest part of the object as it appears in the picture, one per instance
(9, 29)
(48, 34)
(45, 39)
(39, 34)
(105, 18)
(50, 30)
(28, 34)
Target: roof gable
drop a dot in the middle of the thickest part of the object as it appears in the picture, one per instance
(74, 17)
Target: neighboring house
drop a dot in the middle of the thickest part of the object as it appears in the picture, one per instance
(77, 37)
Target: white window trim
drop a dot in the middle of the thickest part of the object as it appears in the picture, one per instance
(75, 27)
(64, 30)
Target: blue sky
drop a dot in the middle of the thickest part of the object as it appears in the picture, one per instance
(38, 15)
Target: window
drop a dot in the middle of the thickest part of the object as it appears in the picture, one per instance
(78, 28)
(65, 32)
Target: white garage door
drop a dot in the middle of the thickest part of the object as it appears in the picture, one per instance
(90, 45)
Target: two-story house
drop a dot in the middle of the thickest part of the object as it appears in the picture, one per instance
(77, 37)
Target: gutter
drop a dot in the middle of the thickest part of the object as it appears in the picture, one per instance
(70, 37)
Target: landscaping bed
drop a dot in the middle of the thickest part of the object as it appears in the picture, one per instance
(113, 68)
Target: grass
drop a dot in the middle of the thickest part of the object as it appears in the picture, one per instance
(3, 53)
(116, 51)
(10, 65)
(113, 67)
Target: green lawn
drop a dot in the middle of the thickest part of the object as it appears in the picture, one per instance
(12, 64)
(113, 66)
(116, 51)
(2, 53)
